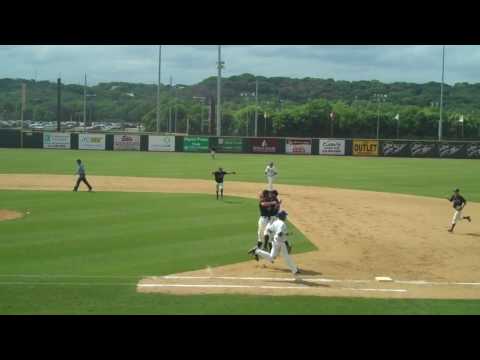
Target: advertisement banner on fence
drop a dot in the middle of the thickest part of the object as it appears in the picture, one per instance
(452, 150)
(395, 148)
(195, 144)
(298, 146)
(126, 142)
(331, 147)
(230, 145)
(473, 151)
(365, 147)
(56, 140)
(265, 145)
(91, 141)
(161, 143)
(423, 149)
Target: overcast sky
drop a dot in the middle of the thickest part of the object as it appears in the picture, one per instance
(189, 64)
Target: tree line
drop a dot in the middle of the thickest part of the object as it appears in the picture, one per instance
(286, 107)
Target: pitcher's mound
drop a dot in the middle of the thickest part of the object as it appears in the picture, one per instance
(9, 215)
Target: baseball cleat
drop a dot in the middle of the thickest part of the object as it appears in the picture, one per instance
(469, 219)
(252, 251)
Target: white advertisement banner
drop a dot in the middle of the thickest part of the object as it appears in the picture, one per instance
(55, 140)
(161, 143)
(298, 146)
(332, 147)
(126, 142)
(91, 141)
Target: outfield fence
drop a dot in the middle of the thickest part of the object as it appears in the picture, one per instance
(231, 144)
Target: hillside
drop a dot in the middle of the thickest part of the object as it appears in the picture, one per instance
(280, 97)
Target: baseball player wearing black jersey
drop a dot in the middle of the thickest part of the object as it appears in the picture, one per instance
(459, 202)
(81, 176)
(219, 175)
(265, 206)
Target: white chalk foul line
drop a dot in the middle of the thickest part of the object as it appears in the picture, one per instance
(324, 280)
(179, 277)
(223, 286)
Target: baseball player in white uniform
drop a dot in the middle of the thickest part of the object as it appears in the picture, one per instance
(277, 230)
(270, 172)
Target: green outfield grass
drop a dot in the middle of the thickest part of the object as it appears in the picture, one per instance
(94, 247)
(428, 177)
(87, 241)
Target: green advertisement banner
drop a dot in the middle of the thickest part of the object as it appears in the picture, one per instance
(230, 145)
(195, 144)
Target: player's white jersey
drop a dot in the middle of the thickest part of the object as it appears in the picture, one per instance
(278, 229)
(270, 171)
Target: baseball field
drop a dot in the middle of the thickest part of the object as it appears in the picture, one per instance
(152, 238)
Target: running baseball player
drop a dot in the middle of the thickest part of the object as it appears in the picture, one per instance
(459, 203)
(265, 205)
(212, 152)
(278, 231)
(271, 173)
(81, 176)
(219, 176)
(273, 211)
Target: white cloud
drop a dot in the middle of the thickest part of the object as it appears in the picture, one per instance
(189, 64)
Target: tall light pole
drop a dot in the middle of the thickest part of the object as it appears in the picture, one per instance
(24, 103)
(170, 108)
(219, 91)
(380, 98)
(85, 101)
(158, 85)
(256, 107)
(441, 96)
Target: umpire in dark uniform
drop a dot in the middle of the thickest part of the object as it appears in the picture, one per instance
(81, 176)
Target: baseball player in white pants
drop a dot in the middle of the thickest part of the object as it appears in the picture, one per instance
(459, 202)
(277, 229)
(266, 207)
(270, 172)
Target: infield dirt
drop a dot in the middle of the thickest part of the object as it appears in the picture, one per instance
(9, 215)
(359, 235)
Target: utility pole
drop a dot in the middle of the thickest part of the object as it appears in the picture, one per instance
(170, 108)
(380, 98)
(256, 107)
(176, 111)
(158, 85)
(441, 96)
(219, 91)
(59, 101)
(85, 103)
(24, 100)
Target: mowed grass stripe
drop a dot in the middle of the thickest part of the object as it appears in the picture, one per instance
(126, 233)
(428, 177)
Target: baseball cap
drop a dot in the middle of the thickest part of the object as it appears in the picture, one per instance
(456, 190)
(282, 214)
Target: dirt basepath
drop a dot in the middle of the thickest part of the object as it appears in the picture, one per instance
(359, 235)
(9, 215)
